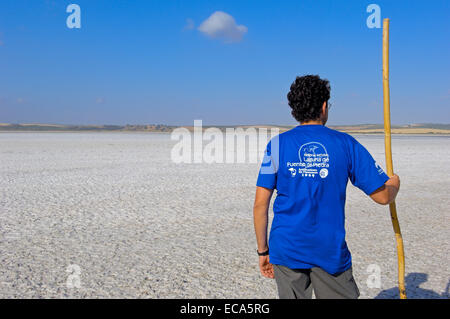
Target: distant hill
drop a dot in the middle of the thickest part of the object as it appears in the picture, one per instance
(91, 128)
(425, 128)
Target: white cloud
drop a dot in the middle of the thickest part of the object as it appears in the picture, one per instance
(223, 26)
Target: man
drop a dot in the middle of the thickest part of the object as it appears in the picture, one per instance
(309, 166)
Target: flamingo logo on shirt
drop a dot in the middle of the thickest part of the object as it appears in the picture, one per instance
(311, 149)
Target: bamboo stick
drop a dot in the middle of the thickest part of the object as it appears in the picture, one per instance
(389, 165)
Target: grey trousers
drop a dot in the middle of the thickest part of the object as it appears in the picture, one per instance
(299, 283)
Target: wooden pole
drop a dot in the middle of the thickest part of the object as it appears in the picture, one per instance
(389, 165)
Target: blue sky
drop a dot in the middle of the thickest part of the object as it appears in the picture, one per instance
(143, 62)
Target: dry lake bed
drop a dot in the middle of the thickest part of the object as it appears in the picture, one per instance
(109, 215)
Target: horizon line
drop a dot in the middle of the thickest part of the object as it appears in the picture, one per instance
(210, 125)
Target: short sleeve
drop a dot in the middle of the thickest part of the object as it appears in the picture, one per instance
(267, 176)
(364, 172)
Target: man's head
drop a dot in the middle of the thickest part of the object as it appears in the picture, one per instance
(308, 99)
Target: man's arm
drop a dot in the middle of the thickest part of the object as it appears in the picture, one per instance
(261, 221)
(386, 194)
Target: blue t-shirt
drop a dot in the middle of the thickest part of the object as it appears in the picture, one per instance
(309, 166)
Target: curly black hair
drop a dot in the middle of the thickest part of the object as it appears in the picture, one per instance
(306, 97)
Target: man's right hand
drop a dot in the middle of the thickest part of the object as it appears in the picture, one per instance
(387, 193)
(394, 181)
(266, 267)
